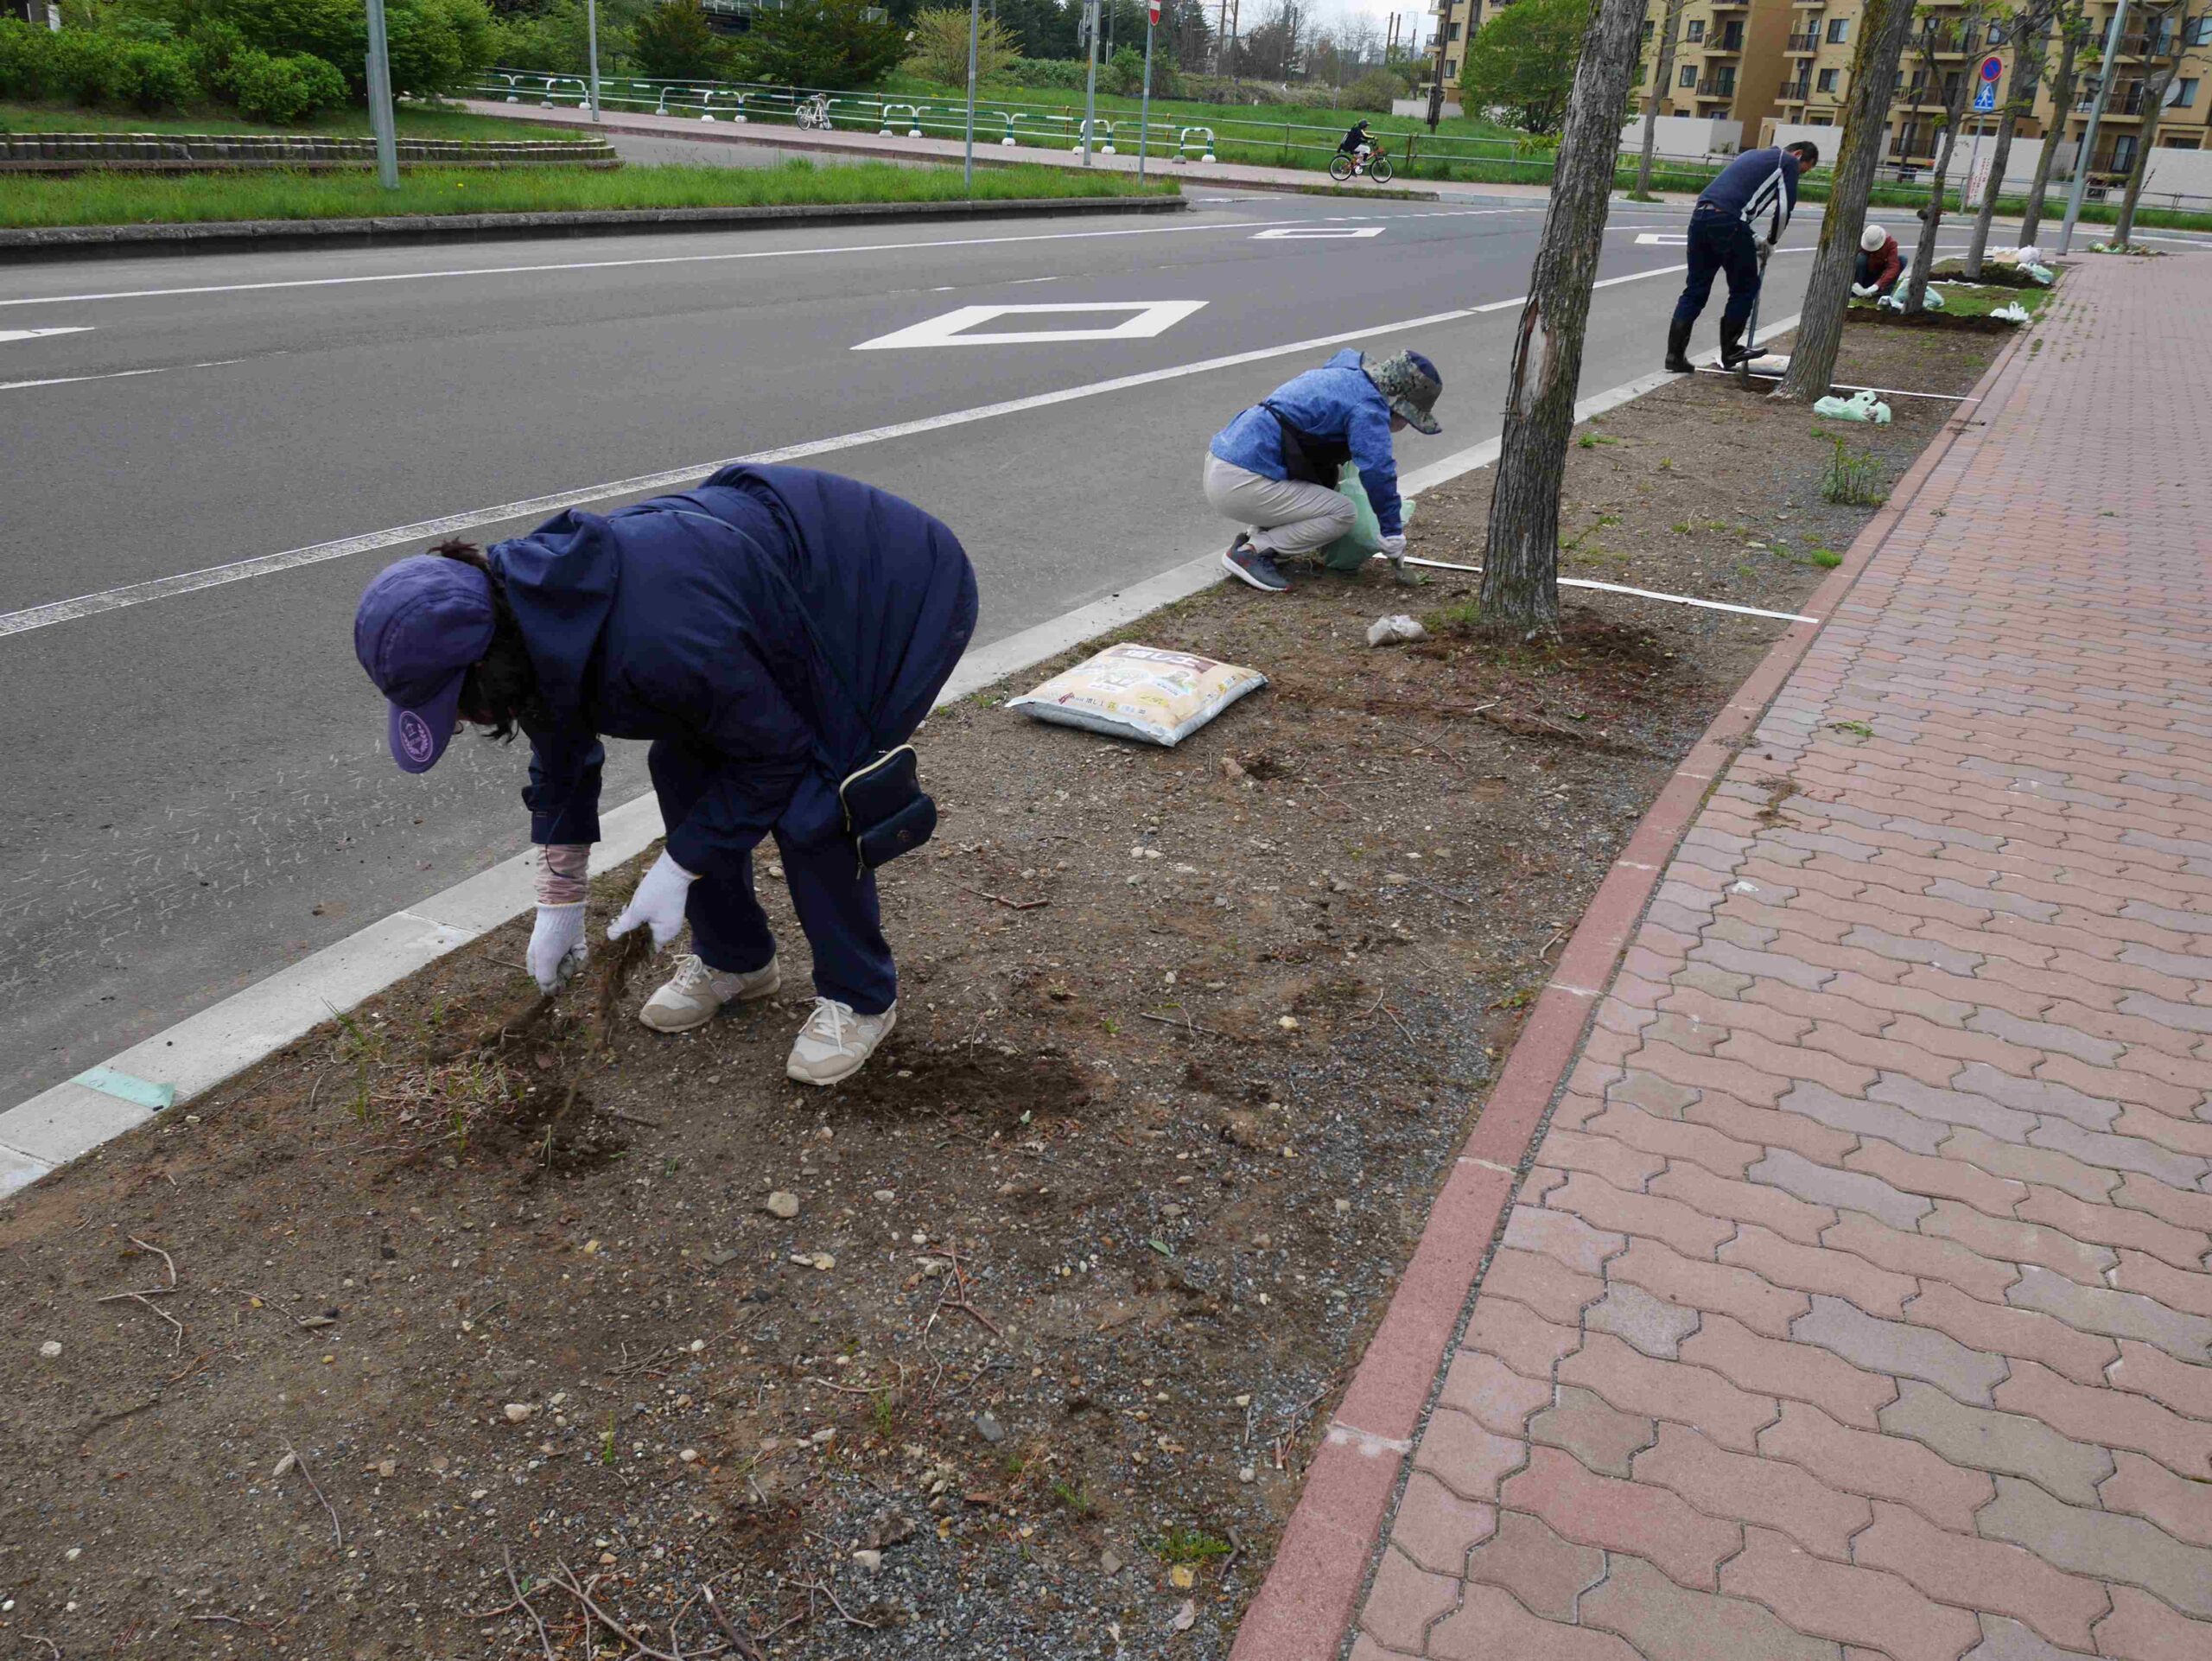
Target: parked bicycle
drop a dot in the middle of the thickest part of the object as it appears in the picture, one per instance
(1369, 163)
(813, 111)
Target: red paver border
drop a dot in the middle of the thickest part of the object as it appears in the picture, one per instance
(1304, 1609)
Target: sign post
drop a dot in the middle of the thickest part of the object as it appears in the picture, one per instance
(591, 24)
(2087, 148)
(968, 164)
(1090, 85)
(380, 118)
(1144, 108)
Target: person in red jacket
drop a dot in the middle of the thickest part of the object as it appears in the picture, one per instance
(1880, 266)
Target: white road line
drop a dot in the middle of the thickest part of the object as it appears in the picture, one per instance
(112, 374)
(661, 259)
(169, 587)
(7, 335)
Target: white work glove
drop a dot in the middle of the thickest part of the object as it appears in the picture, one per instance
(658, 902)
(1864, 290)
(1394, 548)
(556, 946)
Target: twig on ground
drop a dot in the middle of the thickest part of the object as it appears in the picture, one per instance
(626, 1118)
(198, 1362)
(1188, 1025)
(745, 1645)
(54, 1648)
(176, 1345)
(849, 1617)
(168, 1261)
(1011, 905)
(1401, 1026)
(116, 1417)
(316, 1488)
(545, 1639)
(955, 1296)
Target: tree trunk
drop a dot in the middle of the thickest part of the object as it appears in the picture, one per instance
(2154, 99)
(1521, 566)
(1661, 72)
(2019, 100)
(2062, 98)
(1883, 26)
(1923, 259)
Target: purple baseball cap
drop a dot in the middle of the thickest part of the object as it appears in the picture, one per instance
(420, 625)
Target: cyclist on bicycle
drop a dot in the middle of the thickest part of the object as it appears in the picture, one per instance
(1357, 143)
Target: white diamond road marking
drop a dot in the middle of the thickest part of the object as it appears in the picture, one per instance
(1318, 234)
(7, 335)
(1146, 318)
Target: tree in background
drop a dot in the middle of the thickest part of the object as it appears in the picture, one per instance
(1663, 72)
(1523, 60)
(829, 43)
(1939, 35)
(672, 42)
(1520, 588)
(2171, 25)
(937, 50)
(2073, 25)
(2031, 28)
(1883, 26)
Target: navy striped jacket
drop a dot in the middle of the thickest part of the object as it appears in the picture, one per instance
(1757, 183)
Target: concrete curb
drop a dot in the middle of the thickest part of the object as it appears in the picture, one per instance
(71, 1119)
(1305, 1609)
(232, 236)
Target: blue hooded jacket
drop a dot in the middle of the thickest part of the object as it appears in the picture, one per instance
(1335, 402)
(680, 620)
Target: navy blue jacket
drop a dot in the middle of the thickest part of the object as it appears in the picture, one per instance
(1754, 183)
(679, 619)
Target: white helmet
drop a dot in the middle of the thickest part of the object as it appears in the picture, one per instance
(1871, 239)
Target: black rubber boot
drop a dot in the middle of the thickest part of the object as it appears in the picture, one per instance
(1732, 344)
(1678, 348)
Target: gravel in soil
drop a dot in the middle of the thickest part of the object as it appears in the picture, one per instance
(1016, 1345)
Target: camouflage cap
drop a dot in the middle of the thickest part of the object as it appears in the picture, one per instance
(1411, 384)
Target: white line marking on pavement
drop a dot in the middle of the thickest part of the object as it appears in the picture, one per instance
(168, 588)
(1147, 319)
(7, 335)
(1661, 238)
(113, 374)
(618, 264)
(1318, 234)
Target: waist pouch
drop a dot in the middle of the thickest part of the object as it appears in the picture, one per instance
(1306, 458)
(887, 813)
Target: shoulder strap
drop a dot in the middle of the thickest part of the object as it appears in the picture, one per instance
(805, 617)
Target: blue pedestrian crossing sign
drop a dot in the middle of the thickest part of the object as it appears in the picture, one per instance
(1985, 98)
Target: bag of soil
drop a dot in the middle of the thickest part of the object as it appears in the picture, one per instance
(1141, 692)
(1351, 550)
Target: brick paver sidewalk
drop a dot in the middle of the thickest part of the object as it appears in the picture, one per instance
(1857, 1302)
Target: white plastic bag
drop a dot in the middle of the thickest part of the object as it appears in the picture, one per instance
(2014, 313)
(1860, 406)
(1141, 691)
(1388, 631)
(1933, 299)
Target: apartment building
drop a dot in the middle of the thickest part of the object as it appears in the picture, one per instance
(1457, 19)
(1728, 60)
(1823, 34)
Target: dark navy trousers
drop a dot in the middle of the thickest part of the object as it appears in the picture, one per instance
(835, 900)
(1720, 242)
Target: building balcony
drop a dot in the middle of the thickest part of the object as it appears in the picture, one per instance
(1795, 92)
(1711, 89)
(1803, 45)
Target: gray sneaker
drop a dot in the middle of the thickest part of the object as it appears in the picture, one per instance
(1248, 564)
(695, 994)
(835, 1043)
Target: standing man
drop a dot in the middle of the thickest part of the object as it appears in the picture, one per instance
(1724, 237)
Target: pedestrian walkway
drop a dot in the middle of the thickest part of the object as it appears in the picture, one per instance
(1858, 1301)
(866, 146)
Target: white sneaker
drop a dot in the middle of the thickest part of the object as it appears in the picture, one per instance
(695, 993)
(835, 1043)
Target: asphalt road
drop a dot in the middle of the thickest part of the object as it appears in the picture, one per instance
(198, 792)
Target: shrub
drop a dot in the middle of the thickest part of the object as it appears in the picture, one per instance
(1376, 90)
(284, 88)
(212, 45)
(1060, 74)
(153, 75)
(672, 42)
(940, 48)
(25, 60)
(830, 44)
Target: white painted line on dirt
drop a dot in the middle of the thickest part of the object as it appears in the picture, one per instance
(9, 335)
(659, 260)
(1146, 320)
(169, 587)
(1843, 387)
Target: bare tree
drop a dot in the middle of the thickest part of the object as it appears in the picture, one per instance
(2175, 23)
(1883, 26)
(1661, 72)
(1521, 567)
(2072, 26)
(1937, 36)
(2031, 30)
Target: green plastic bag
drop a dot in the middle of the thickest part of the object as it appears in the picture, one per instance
(1350, 551)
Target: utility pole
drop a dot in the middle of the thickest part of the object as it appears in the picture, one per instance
(1144, 106)
(379, 67)
(1090, 88)
(591, 24)
(1436, 92)
(974, 26)
(2106, 70)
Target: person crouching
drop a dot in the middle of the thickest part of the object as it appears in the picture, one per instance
(1879, 265)
(1276, 467)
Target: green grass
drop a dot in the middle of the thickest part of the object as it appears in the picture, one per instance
(1188, 1545)
(158, 199)
(416, 121)
(1980, 301)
